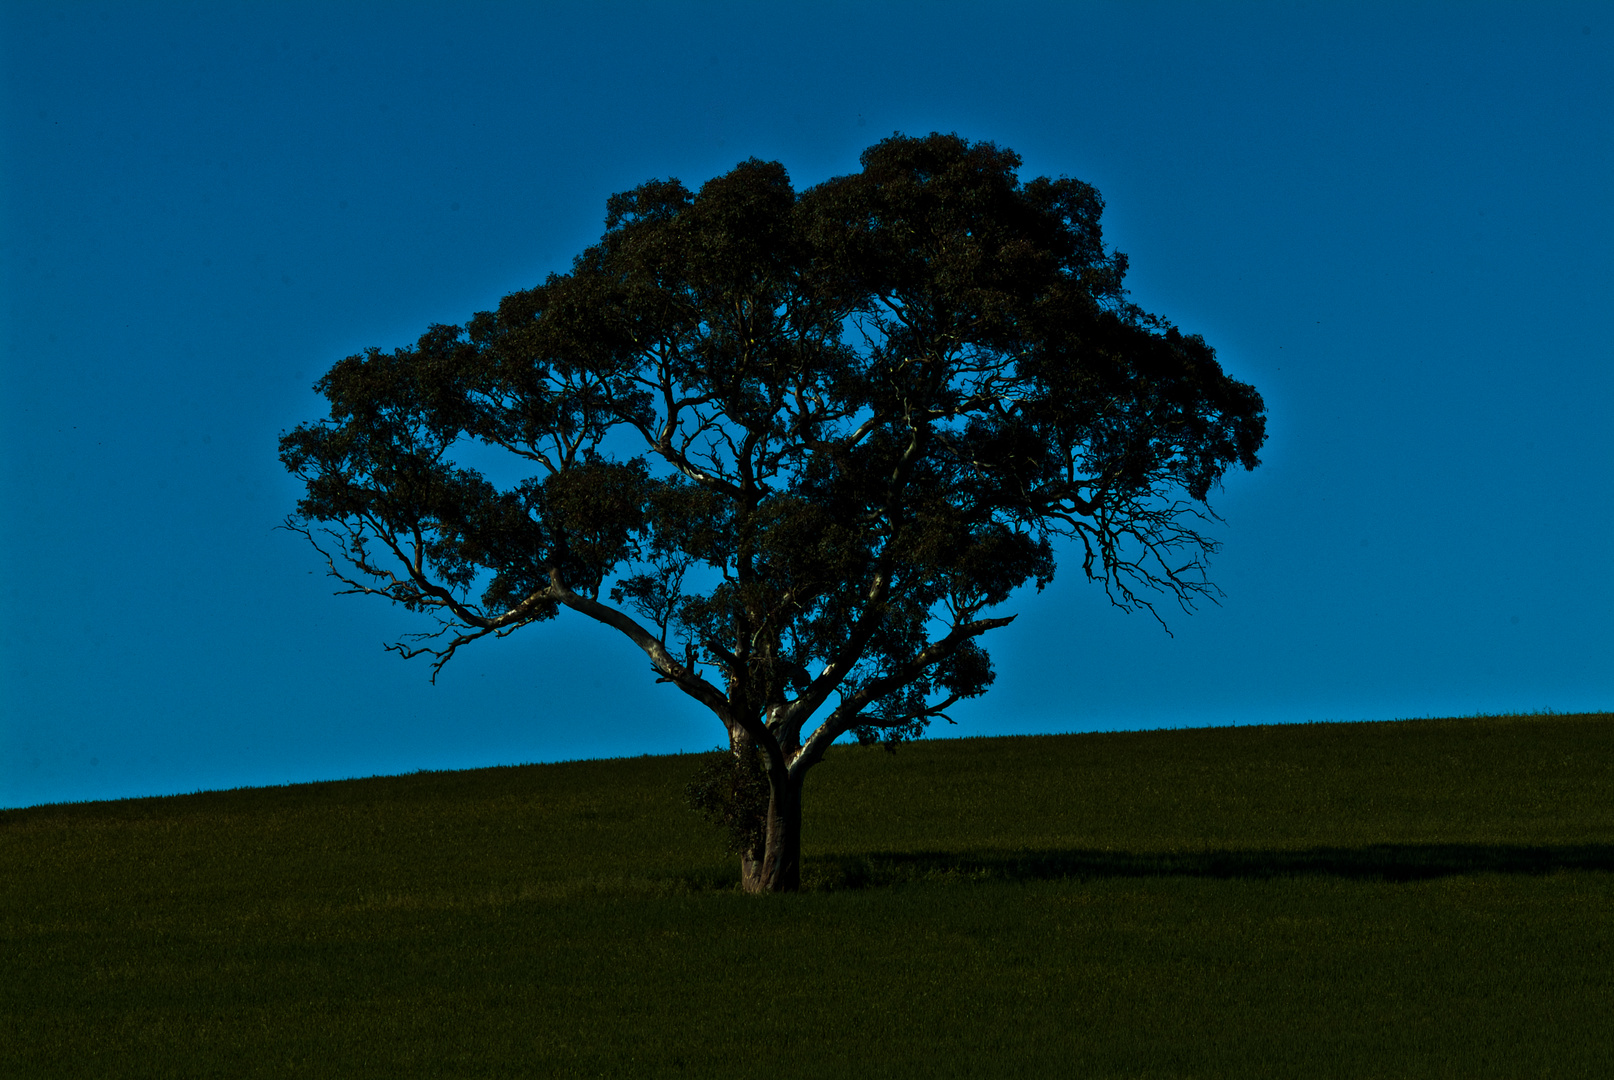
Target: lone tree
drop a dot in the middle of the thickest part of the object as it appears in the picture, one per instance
(792, 445)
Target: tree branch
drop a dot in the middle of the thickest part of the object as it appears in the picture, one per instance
(679, 675)
(844, 718)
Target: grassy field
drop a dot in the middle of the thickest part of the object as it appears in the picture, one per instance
(1422, 898)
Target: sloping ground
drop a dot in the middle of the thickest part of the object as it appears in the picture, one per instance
(1419, 898)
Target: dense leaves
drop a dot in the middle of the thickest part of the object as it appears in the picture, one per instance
(799, 442)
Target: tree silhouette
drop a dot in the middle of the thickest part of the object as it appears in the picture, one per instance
(794, 445)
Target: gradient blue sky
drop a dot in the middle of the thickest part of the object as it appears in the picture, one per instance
(1396, 221)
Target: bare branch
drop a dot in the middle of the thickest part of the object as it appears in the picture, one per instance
(663, 661)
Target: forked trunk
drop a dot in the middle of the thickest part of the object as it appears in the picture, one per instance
(777, 867)
(771, 859)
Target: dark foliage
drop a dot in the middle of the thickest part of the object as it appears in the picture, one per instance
(800, 443)
(731, 791)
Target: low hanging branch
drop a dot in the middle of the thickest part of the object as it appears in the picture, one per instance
(799, 442)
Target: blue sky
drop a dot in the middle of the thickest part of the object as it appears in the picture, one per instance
(1395, 221)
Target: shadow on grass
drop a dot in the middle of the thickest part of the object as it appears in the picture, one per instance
(1378, 862)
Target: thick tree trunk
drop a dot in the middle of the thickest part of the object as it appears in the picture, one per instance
(777, 867)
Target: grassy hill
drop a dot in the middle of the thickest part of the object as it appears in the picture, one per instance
(1421, 898)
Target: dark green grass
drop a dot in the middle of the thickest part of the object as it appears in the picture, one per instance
(1426, 898)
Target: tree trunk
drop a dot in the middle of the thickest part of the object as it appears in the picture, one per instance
(777, 867)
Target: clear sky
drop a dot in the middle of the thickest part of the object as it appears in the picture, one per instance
(1396, 221)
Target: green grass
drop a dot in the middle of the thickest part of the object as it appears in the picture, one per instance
(1423, 898)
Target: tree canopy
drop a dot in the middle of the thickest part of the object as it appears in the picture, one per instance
(796, 446)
